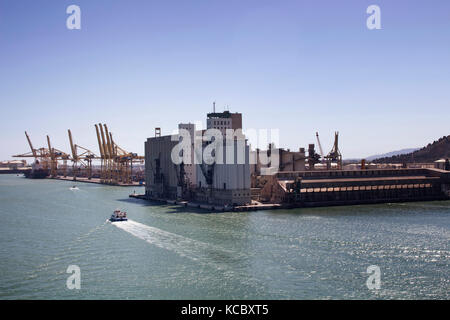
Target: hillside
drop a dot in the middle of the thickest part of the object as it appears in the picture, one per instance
(392, 153)
(433, 151)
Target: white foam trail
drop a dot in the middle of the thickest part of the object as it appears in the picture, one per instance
(186, 247)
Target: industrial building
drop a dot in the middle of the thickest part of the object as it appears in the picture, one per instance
(223, 182)
(443, 164)
(13, 164)
(190, 168)
(220, 182)
(224, 120)
(334, 187)
(272, 160)
(160, 173)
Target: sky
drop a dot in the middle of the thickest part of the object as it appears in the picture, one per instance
(297, 66)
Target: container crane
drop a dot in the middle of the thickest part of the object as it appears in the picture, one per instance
(41, 155)
(102, 154)
(56, 155)
(81, 158)
(33, 150)
(117, 163)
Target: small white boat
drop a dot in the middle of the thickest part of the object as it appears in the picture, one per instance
(118, 216)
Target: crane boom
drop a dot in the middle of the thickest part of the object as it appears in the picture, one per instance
(50, 150)
(102, 155)
(72, 147)
(53, 159)
(31, 145)
(105, 149)
(320, 145)
(109, 144)
(113, 145)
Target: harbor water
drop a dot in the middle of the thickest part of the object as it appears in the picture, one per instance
(168, 252)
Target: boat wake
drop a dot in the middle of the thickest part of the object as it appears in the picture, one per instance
(186, 247)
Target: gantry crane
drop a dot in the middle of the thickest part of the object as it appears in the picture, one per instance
(41, 155)
(47, 157)
(53, 161)
(102, 154)
(116, 163)
(55, 155)
(105, 148)
(81, 158)
(123, 161)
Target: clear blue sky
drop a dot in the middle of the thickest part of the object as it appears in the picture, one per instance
(300, 66)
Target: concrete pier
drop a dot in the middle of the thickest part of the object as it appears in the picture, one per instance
(210, 207)
(97, 181)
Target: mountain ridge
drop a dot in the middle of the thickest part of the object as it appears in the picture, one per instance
(436, 150)
(391, 153)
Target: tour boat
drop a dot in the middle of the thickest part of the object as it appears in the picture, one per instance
(118, 216)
